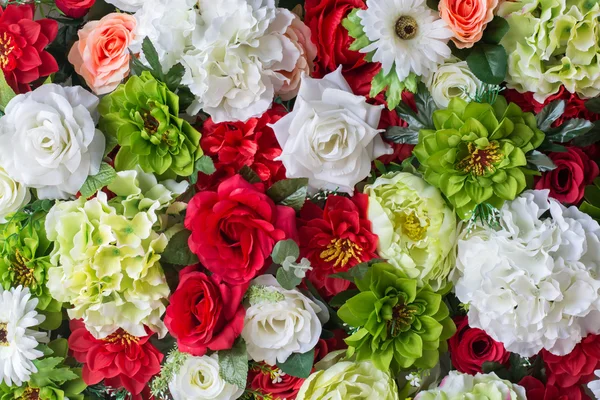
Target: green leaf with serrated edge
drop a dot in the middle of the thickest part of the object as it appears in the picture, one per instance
(6, 92)
(205, 165)
(339, 299)
(298, 365)
(49, 374)
(353, 25)
(284, 249)
(540, 161)
(287, 279)
(249, 175)
(233, 364)
(425, 106)
(489, 63)
(569, 130)
(402, 135)
(178, 252)
(358, 271)
(549, 114)
(174, 76)
(593, 105)
(152, 58)
(289, 192)
(136, 66)
(96, 182)
(495, 30)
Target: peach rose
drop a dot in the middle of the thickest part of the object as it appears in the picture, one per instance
(100, 55)
(299, 34)
(467, 19)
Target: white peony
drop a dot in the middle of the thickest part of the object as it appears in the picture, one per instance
(279, 322)
(533, 283)
(13, 196)
(198, 379)
(127, 5)
(331, 136)
(452, 79)
(49, 140)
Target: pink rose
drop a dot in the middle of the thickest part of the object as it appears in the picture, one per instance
(299, 35)
(100, 55)
(467, 19)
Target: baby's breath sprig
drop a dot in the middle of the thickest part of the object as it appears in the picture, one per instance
(257, 294)
(160, 385)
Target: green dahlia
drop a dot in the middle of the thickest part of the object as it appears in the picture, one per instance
(143, 115)
(398, 324)
(477, 152)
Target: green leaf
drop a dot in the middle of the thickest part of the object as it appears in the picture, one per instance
(283, 249)
(152, 58)
(569, 130)
(399, 134)
(593, 105)
(287, 279)
(178, 252)
(433, 4)
(540, 161)
(298, 365)
(425, 106)
(289, 192)
(549, 114)
(340, 299)
(111, 143)
(489, 63)
(53, 320)
(589, 138)
(96, 182)
(495, 30)
(137, 67)
(174, 76)
(248, 174)
(6, 92)
(358, 271)
(205, 165)
(233, 364)
(60, 347)
(49, 374)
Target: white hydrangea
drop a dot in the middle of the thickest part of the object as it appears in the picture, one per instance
(533, 284)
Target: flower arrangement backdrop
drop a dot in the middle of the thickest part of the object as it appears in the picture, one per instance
(310, 200)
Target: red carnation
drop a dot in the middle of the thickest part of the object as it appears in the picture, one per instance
(336, 239)
(235, 229)
(574, 171)
(233, 145)
(577, 367)
(75, 8)
(22, 42)
(204, 313)
(536, 390)
(273, 383)
(121, 359)
(471, 347)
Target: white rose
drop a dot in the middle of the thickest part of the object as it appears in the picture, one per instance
(13, 196)
(452, 79)
(127, 5)
(199, 379)
(331, 136)
(279, 322)
(49, 140)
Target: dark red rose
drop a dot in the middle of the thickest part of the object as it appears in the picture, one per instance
(271, 381)
(536, 390)
(471, 347)
(577, 367)
(75, 8)
(574, 171)
(233, 145)
(204, 313)
(336, 239)
(235, 229)
(22, 43)
(121, 360)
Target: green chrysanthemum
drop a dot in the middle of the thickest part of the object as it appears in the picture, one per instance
(143, 115)
(477, 152)
(399, 325)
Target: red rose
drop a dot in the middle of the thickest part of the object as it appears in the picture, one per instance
(233, 145)
(577, 367)
(537, 391)
(271, 381)
(235, 229)
(204, 313)
(471, 347)
(75, 8)
(22, 42)
(574, 171)
(326, 346)
(121, 359)
(336, 239)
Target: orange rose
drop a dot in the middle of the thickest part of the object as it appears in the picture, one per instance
(467, 19)
(100, 55)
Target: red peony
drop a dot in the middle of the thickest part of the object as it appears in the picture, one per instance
(75, 8)
(235, 229)
(575, 368)
(121, 359)
(471, 347)
(204, 313)
(22, 42)
(336, 239)
(271, 381)
(233, 145)
(574, 171)
(536, 390)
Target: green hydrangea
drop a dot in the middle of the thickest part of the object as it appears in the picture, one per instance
(415, 226)
(458, 386)
(398, 324)
(106, 256)
(143, 115)
(553, 43)
(477, 154)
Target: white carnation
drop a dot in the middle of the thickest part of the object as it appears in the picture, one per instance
(533, 283)
(13, 195)
(279, 322)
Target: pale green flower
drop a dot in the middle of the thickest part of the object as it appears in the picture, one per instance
(349, 381)
(416, 228)
(457, 386)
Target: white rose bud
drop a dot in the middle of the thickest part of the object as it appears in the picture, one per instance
(452, 79)
(279, 322)
(13, 196)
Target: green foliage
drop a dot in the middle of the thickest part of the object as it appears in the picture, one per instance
(289, 192)
(489, 63)
(591, 204)
(94, 183)
(233, 364)
(178, 252)
(298, 364)
(284, 249)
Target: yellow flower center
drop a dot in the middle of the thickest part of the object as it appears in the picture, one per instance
(6, 47)
(402, 317)
(122, 337)
(30, 394)
(23, 274)
(480, 161)
(342, 251)
(3, 334)
(413, 228)
(406, 27)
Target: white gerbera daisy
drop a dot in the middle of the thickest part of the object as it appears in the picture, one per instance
(405, 35)
(17, 341)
